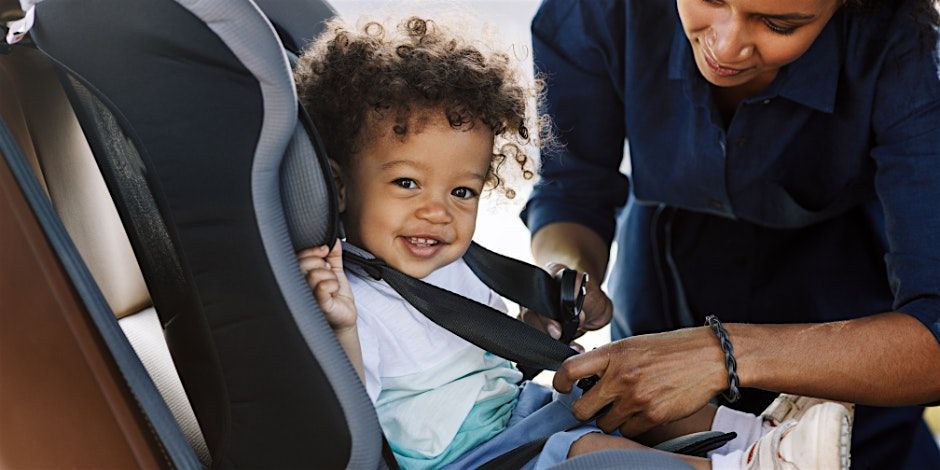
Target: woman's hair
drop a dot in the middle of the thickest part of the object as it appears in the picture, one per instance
(924, 13)
(351, 81)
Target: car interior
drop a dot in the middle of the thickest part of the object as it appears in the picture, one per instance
(165, 176)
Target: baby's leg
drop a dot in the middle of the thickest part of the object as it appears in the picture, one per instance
(699, 421)
(595, 441)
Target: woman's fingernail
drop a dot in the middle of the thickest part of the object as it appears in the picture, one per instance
(554, 332)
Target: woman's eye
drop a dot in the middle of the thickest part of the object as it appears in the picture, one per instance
(779, 29)
(464, 193)
(406, 183)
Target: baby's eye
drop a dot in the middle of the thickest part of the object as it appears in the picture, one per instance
(406, 183)
(464, 193)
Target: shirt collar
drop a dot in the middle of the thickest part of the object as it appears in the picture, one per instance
(811, 80)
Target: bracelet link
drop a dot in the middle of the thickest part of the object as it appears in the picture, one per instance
(733, 393)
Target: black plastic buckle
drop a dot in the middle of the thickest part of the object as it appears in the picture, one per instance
(572, 303)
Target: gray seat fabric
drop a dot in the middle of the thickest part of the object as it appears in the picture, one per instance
(624, 459)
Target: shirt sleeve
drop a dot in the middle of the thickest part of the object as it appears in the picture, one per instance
(907, 154)
(578, 49)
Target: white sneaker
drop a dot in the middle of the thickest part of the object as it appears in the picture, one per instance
(786, 407)
(818, 440)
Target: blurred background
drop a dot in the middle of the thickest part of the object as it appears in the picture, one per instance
(506, 23)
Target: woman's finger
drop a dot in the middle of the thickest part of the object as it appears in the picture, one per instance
(532, 318)
(619, 412)
(635, 424)
(580, 366)
(598, 309)
(597, 400)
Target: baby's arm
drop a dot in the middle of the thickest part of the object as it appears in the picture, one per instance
(324, 271)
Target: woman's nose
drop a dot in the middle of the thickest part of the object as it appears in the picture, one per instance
(433, 211)
(728, 41)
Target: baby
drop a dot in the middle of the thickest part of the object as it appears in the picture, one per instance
(419, 123)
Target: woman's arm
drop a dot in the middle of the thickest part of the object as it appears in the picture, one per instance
(562, 245)
(884, 360)
(889, 359)
(573, 245)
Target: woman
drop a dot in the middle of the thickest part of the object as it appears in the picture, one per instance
(785, 177)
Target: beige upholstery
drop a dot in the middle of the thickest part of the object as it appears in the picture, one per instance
(140, 329)
(72, 179)
(35, 107)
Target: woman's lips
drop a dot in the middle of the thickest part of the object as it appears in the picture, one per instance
(718, 69)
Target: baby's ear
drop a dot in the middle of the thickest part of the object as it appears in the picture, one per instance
(339, 183)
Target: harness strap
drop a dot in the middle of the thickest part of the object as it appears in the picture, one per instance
(482, 325)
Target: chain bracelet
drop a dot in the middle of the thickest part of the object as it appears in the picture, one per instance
(733, 394)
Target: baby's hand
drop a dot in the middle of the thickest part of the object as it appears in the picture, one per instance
(324, 271)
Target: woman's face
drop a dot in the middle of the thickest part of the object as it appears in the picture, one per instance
(745, 42)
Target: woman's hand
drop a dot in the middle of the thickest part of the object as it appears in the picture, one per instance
(323, 268)
(598, 309)
(647, 380)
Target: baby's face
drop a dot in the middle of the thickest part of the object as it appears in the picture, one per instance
(413, 202)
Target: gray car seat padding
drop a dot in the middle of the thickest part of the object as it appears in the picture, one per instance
(624, 459)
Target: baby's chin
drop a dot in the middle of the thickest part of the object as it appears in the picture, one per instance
(418, 270)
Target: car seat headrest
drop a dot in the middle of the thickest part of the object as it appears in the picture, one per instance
(296, 23)
(310, 203)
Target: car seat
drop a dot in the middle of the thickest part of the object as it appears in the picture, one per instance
(190, 111)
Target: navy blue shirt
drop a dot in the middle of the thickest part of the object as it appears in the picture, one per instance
(818, 201)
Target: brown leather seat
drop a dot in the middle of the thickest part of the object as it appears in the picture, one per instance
(35, 107)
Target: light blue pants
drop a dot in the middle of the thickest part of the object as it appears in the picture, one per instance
(539, 412)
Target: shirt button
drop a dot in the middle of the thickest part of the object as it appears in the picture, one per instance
(715, 204)
(740, 141)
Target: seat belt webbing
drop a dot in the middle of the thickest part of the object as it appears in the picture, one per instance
(482, 325)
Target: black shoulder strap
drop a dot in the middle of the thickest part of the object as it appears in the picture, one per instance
(520, 282)
(479, 324)
(532, 287)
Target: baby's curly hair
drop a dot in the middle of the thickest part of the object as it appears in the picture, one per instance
(348, 80)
